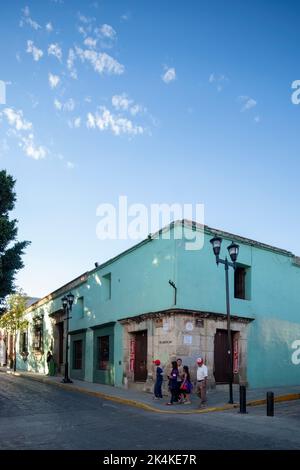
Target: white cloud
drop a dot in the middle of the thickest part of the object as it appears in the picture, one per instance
(251, 103)
(121, 101)
(75, 123)
(16, 119)
(107, 31)
(49, 27)
(91, 122)
(26, 11)
(33, 24)
(70, 64)
(22, 130)
(169, 75)
(257, 119)
(86, 27)
(134, 110)
(248, 103)
(90, 42)
(37, 53)
(58, 105)
(100, 61)
(118, 125)
(70, 165)
(124, 103)
(31, 149)
(68, 106)
(55, 50)
(84, 19)
(82, 31)
(53, 80)
(219, 80)
(125, 17)
(26, 19)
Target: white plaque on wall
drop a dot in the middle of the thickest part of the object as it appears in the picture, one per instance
(189, 326)
(187, 339)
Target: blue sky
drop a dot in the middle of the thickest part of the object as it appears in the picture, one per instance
(163, 102)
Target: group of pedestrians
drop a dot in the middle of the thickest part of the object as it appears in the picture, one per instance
(179, 382)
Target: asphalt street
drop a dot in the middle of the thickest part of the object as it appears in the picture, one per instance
(36, 416)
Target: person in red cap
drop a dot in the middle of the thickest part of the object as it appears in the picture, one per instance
(202, 374)
(158, 381)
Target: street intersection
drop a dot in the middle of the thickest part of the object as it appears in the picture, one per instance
(35, 415)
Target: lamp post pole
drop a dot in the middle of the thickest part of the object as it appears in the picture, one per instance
(233, 250)
(67, 303)
(229, 332)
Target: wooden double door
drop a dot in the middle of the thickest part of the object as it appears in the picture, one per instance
(140, 360)
(223, 366)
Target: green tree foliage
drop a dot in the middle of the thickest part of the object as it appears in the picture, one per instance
(11, 251)
(13, 321)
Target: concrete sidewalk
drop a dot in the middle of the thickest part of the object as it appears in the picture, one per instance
(217, 399)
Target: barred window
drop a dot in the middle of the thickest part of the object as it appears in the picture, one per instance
(37, 335)
(23, 342)
(77, 354)
(239, 283)
(103, 352)
(106, 284)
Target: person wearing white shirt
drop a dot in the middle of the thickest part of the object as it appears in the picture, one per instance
(202, 374)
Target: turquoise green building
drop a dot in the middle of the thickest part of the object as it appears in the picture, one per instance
(162, 300)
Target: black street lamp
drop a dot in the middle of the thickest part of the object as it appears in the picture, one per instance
(67, 302)
(233, 250)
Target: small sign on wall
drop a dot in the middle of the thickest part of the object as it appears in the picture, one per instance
(187, 339)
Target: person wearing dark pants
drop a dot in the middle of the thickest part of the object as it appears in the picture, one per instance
(158, 381)
(179, 379)
(173, 387)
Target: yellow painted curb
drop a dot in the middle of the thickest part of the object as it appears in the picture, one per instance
(278, 399)
(116, 399)
(144, 406)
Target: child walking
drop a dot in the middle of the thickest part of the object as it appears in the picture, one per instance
(158, 381)
(186, 387)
